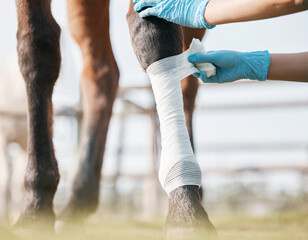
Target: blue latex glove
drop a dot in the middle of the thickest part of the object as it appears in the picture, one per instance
(232, 66)
(189, 13)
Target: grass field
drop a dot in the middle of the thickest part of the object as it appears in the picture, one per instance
(284, 226)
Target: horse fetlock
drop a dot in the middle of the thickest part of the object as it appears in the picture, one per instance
(79, 207)
(42, 184)
(87, 204)
(85, 193)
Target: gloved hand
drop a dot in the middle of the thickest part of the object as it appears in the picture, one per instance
(232, 66)
(189, 13)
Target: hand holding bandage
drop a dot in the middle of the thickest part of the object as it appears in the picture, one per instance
(232, 66)
(178, 166)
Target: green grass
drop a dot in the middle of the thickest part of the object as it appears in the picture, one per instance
(283, 226)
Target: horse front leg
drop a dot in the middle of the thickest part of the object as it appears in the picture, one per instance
(154, 39)
(39, 61)
(89, 25)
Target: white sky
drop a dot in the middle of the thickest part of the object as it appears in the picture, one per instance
(284, 34)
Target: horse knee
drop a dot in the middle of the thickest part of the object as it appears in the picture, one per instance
(153, 38)
(99, 82)
(39, 54)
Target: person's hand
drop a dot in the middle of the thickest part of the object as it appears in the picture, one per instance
(232, 66)
(189, 13)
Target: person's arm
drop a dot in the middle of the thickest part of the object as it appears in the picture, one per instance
(208, 13)
(289, 67)
(232, 66)
(228, 11)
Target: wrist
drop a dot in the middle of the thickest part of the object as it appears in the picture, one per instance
(255, 65)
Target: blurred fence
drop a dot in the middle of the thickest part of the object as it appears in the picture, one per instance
(147, 198)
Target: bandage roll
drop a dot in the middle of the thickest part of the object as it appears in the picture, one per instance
(178, 166)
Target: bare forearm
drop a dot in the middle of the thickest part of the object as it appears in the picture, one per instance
(289, 67)
(228, 11)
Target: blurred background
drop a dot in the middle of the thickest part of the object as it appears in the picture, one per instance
(251, 138)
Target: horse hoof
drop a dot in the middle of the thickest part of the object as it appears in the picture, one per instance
(35, 225)
(187, 218)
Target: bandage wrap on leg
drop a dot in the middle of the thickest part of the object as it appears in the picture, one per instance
(178, 165)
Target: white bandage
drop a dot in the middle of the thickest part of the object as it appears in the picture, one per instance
(178, 166)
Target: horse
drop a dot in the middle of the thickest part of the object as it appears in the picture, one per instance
(39, 61)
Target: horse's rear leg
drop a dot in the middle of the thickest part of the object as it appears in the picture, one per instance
(39, 62)
(154, 39)
(190, 84)
(89, 24)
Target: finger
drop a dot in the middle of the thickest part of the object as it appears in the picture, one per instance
(202, 58)
(203, 77)
(144, 3)
(149, 12)
(213, 79)
(197, 74)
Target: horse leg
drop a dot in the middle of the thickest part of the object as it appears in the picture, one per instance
(154, 39)
(190, 84)
(89, 24)
(39, 61)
